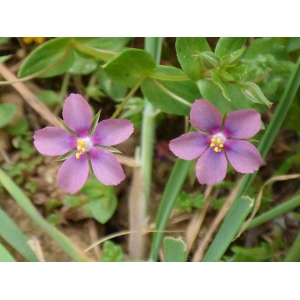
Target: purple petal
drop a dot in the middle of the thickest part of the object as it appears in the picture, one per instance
(190, 145)
(77, 114)
(242, 124)
(106, 167)
(243, 156)
(54, 141)
(112, 132)
(73, 173)
(211, 167)
(205, 117)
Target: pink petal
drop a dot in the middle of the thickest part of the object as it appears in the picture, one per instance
(243, 156)
(205, 117)
(106, 167)
(211, 167)
(112, 132)
(73, 173)
(242, 124)
(77, 114)
(190, 145)
(54, 141)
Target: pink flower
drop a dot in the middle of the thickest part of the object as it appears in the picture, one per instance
(218, 141)
(84, 144)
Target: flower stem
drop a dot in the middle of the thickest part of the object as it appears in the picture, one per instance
(130, 94)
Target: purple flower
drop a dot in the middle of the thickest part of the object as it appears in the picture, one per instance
(84, 145)
(218, 141)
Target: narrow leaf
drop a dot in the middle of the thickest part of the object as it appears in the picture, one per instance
(5, 256)
(230, 227)
(10, 232)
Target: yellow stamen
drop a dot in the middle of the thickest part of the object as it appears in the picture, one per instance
(81, 147)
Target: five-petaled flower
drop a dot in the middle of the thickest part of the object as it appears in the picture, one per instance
(218, 139)
(84, 144)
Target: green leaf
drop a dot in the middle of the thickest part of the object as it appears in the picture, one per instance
(19, 128)
(227, 45)
(48, 97)
(129, 66)
(114, 91)
(72, 201)
(83, 64)
(174, 97)
(55, 51)
(187, 50)
(230, 227)
(10, 232)
(7, 111)
(104, 43)
(112, 252)
(263, 46)
(5, 256)
(212, 92)
(102, 203)
(175, 250)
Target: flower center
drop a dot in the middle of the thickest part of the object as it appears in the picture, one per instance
(217, 142)
(83, 145)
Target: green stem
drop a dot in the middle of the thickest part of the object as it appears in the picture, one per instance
(153, 46)
(130, 94)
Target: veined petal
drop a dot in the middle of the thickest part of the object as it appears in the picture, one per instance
(242, 124)
(243, 156)
(106, 167)
(204, 116)
(54, 141)
(190, 145)
(73, 173)
(112, 132)
(211, 167)
(77, 114)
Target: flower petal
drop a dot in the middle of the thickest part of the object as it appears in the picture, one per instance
(242, 124)
(54, 141)
(204, 116)
(77, 114)
(190, 145)
(112, 132)
(106, 167)
(243, 156)
(211, 167)
(73, 173)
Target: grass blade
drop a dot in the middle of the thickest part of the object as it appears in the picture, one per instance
(171, 192)
(29, 208)
(5, 256)
(10, 232)
(230, 227)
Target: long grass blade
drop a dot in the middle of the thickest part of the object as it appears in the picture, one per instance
(5, 256)
(10, 232)
(28, 207)
(230, 227)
